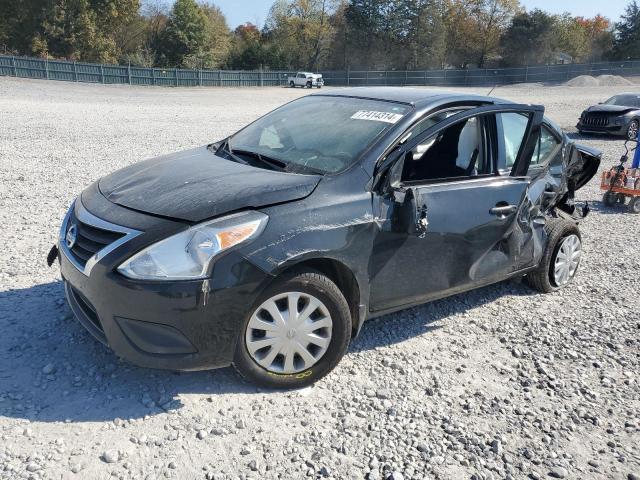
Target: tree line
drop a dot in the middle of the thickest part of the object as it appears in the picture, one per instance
(315, 34)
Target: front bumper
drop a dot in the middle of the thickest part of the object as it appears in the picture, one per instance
(608, 129)
(177, 325)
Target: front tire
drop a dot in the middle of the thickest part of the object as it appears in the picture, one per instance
(561, 258)
(296, 332)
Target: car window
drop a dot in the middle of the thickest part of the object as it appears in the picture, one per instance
(428, 122)
(545, 148)
(319, 133)
(456, 151)
(514, 127)
(624, 100)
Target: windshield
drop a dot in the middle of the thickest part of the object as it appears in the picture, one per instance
(624, 100)
(319, 133)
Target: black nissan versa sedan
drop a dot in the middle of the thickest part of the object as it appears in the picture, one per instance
(269, 249)
(620, 115)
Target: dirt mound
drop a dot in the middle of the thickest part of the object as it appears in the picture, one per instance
(583, 81)
(613, 80)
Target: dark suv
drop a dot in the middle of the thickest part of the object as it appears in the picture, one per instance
(620, 115)
(268, 250)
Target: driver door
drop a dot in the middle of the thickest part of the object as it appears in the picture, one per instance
(448, 221)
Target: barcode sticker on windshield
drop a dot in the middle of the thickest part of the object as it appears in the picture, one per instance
(377, 116)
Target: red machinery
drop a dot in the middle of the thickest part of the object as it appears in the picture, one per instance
(621, 183)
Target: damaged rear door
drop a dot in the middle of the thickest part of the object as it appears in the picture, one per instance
(448, 221)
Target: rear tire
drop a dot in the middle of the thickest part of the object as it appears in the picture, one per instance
(632, 129)
(609, 199)
(274, 371)
(562, 237)
(634, 205)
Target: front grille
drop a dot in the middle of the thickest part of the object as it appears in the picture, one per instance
(89, 239)
(595, 120)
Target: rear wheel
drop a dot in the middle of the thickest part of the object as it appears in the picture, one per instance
(609, 199)
(561, 259)
(634, 205)
(296, 333)
(632, 130)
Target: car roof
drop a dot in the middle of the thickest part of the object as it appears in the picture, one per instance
(413, 96)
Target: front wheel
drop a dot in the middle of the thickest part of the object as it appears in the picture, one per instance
(295, 334)
(561, 258)
(632, 130)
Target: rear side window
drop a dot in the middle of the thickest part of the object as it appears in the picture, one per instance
(545, 148)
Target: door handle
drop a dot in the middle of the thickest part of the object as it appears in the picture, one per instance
(502, 211)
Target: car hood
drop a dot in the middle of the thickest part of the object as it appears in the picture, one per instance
(610, 109)
(195, 185)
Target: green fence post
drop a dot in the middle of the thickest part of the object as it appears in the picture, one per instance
(153, 76)
(261, 77)
(199, 77)
(129, 73)
(175, 72)
(13, 64)
(101, 73)
(219, 78)
(75, 72)
(46, 68)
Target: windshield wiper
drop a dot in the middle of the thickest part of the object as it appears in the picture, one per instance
(272, 162)
(225, 148)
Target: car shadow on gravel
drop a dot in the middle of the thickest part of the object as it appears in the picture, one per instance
(405, 324)
(52, 370)
(602, 209)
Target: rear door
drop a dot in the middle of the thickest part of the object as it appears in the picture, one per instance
(448, 220)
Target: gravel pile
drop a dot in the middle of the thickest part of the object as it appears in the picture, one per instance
(583, 81)
(600, 81)
(501, 382)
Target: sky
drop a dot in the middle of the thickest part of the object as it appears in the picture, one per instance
(256, 11)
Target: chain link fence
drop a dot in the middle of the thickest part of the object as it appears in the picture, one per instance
(27, 67)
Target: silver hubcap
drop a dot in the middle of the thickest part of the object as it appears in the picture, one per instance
(567, 260)
(289, 332)
(633, 131)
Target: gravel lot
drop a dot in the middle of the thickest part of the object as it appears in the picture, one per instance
(502, 382)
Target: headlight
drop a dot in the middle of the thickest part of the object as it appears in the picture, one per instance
(187, 254)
